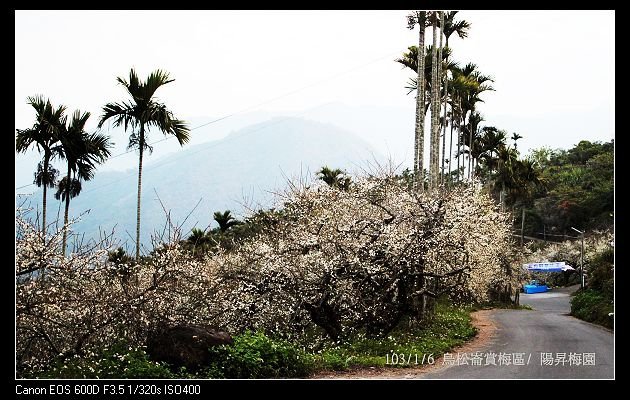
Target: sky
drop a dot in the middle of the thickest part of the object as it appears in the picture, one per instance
(553, 71)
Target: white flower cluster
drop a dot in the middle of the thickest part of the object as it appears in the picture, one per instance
(69, 306)
(334, 261)
(365, 258)
(569, 251)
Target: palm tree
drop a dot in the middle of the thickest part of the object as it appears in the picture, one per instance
(44, 134)
(472, 138)
(67, 188)
(469, 84)
(142, 113)
(419, 18)
(506, 165)
(225, 220)
(515, 137)
(460, 119)
(491, 141)
(527, 181)
(335, 178)
(435, 111)
(461, 85)
(197, 236)
(82, 152)
(473, 100)
(198, 240)
(450, 26)
(440, 72)
(410, 60)
(516, 179)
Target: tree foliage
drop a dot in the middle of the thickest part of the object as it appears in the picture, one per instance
(579, 187)
(331, 261)
(364, 258)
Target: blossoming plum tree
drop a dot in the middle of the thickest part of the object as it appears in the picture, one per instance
(332, 261)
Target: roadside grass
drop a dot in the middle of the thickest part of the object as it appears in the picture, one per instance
(593, 306)
(256, 355)
(507, 306)
(406, 346)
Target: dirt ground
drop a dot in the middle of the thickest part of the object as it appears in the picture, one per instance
(480, 319)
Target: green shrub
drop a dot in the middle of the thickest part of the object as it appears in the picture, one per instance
(601, 273)
(448, 327)
(119, 361)
(254, 355)
(333, 360)
(593, 306)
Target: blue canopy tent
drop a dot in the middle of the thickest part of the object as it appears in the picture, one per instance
(533, 286)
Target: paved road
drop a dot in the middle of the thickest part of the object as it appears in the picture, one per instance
(546, 329)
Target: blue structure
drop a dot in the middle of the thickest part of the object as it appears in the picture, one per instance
(535, 287)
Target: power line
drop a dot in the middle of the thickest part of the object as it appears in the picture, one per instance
(255, 105)
(21, 187)
(188, 154)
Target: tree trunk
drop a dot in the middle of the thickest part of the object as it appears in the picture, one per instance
(470, 146)
(450, 144)
(45, 179)
(433, 149)
(418, 166)
(422, 305)
(523, 226)
(139, 193)
(326, 318)
(459, 138)
(445, 98)
(65, 215)
(442, 169)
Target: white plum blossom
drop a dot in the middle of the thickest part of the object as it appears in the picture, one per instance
(329, 261)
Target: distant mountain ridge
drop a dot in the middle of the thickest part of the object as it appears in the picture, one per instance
(243, 167)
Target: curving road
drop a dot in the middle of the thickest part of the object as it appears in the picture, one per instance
(544, 335)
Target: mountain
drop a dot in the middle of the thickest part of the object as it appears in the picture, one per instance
(389, 129)
(236, 171)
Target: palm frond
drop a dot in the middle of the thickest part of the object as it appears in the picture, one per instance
(410, 58)
(83, 151)
(160, 117)
(134, 142)
(121, 113)
(143, 112)
(23, 139)
(98, 146)
(452, 26)
(154, 81)
(78, 121)
(47, 178)
(65, 189)
(45, 132)
(132, 86)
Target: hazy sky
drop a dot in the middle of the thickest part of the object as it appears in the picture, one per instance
(554, 70)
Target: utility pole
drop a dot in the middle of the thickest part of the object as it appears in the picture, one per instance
(522, 226)
(581, 258)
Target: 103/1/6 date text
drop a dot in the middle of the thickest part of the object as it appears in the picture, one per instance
(408, 359)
